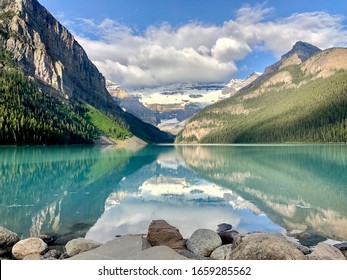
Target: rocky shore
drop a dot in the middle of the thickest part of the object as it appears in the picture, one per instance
(164, 242)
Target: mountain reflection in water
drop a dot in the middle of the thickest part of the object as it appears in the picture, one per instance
(300, 187)
(98, 193)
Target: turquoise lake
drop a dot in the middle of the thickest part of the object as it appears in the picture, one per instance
(101, 192)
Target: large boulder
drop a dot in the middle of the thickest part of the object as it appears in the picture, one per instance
(80, 245)
(7, 240)
(203, 242)
(222, 252)
(264, 246)
(29, 246)
(120, 248)
(324, 251)
(157, 253)
(160, 233)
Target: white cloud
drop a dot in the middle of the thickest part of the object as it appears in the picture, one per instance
(196, 52)
(230, 49)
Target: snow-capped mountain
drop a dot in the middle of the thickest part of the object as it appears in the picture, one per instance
(117, 91)
(170, 106)
(237, 84)
(181, 94)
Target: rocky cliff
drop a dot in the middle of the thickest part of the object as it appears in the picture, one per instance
(300, 52)
(47, 51)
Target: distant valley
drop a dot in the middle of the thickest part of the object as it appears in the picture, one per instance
(170, 107)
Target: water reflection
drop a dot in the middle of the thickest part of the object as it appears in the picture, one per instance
(168, 189)
(57, 190)
(99, 193)
(298, 187)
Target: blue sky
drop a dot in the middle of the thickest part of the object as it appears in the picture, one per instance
(152, 42)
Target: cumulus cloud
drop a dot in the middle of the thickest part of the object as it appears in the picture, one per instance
(198, 52)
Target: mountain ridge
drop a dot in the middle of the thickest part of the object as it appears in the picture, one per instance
(299, 53)
(46, 51)
(303, 102)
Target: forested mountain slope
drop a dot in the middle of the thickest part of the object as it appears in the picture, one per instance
(300, 102)
(44, 51)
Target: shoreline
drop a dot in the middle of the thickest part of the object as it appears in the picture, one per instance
(164, 241)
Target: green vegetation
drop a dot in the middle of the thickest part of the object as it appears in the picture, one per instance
(107, 124)
(313, 112)
(30, 117)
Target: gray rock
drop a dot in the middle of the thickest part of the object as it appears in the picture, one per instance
(224, 227)
(80, 245)
(156, 253)
(304, 249)
(117, 249)
(228, 236)
(33, 257)
(344, 252)
(54, 253)
(203, 242)
(190, 255)
(161, 233)
(341, 246)
(324, 251)
(222, 252)
(7, 240)
(29, 246)
(264, 246)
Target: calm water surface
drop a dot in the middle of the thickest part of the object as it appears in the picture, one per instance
(98, 192)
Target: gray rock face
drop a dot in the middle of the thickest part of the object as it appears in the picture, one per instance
(45, 50)
(49, 52)
(80, 245)
(303, 50)
(222, 252)
(324, 251)
(7, 240)
(29, 246)
(264, 246)
(203, 242)
(161, 233)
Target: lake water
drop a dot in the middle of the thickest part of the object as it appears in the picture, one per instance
(101, 192)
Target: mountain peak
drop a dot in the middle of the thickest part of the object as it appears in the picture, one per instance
(303, 50)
